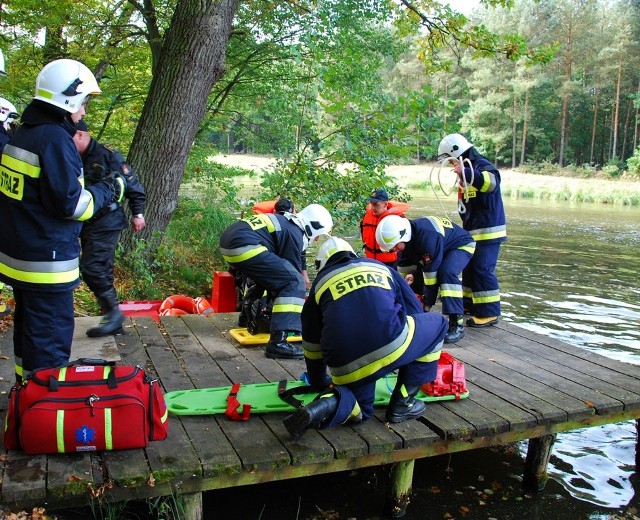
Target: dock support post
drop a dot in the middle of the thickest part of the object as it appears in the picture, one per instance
(637, 446)
(401, 482)
(535, 467)
(192, 506)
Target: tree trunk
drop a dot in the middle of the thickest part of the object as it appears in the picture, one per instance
(594, 127)
(192, 60)
(616, 118)
(514, 143)
(525, 127)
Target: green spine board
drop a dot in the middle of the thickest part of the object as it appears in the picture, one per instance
(263, 397)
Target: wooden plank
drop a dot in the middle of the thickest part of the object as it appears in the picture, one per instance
(414, 434)
(598, 373)
(599, 379)
(25, 478)
(68, 475)
(494, 382)
(602, 403)
(583, 353)
(516, 417)
(82, 346)
(126, 468)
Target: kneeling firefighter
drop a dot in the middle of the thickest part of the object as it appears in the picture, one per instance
(268, 249)
(363, 321)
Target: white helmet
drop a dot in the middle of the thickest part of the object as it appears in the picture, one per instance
(453, 145)
(8, 113)
(65, 84)
(391, 230)
(3, 72)
(315, 220)
(330, 247)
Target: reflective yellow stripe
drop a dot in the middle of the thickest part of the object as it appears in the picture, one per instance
(20, 166)
(259, 221)
(164, 417)
(377, 364)
(60, 430)
(450, 293)
(286, 307)
(343, 281)
(235, 259)
(469, 248)
(108, 440)
(487, 299)
(41, 277)
(309, 354)
(62, 375)
(431, 356)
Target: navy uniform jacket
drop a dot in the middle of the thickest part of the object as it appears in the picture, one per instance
(264, 232)
(355, 315)
(43, 202)
(431, 238)
(483, 215)
(4, 137)
(100, 158)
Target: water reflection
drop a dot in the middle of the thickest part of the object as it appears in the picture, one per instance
(570, 271)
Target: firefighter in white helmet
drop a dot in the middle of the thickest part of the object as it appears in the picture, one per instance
(362, 322)
(436, 250)
(482, 212)
(267, 248)
(8, 116)
(44, 194)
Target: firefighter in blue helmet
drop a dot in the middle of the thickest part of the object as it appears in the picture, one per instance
(436, 249)
(268, 249)
(101, 233)
(482, 211)
(362, 321)
(43, 203)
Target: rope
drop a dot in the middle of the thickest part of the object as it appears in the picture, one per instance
(460, 181)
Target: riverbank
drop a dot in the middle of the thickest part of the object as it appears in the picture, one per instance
(515, 184)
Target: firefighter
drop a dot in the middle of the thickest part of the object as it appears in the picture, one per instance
(362, 321)
(440, 250)
(8, 117)
(379, 207)
(43, 203)
(268, 248)
(100, 234)
(482, 211)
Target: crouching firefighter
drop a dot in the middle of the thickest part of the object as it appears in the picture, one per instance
(362, 321)
(267, 248)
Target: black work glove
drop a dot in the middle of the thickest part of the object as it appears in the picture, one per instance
(117, 184)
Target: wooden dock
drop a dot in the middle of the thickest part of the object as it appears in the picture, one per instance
(521, 386)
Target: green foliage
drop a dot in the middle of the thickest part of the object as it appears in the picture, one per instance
(189, 252)
(633, 164)
(344, 191)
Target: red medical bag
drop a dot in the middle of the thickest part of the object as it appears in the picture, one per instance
(88, 405)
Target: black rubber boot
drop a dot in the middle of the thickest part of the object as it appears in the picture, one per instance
(314, 415)
(112, 318)
(403, 405)
(456, 329)
(279, 348)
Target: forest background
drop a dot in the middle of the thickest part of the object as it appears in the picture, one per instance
(337, 91)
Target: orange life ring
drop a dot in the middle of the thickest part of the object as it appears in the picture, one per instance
(203, 306)
(177, 302)
(173, 312)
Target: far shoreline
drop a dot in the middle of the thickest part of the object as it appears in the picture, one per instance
(514, 184)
